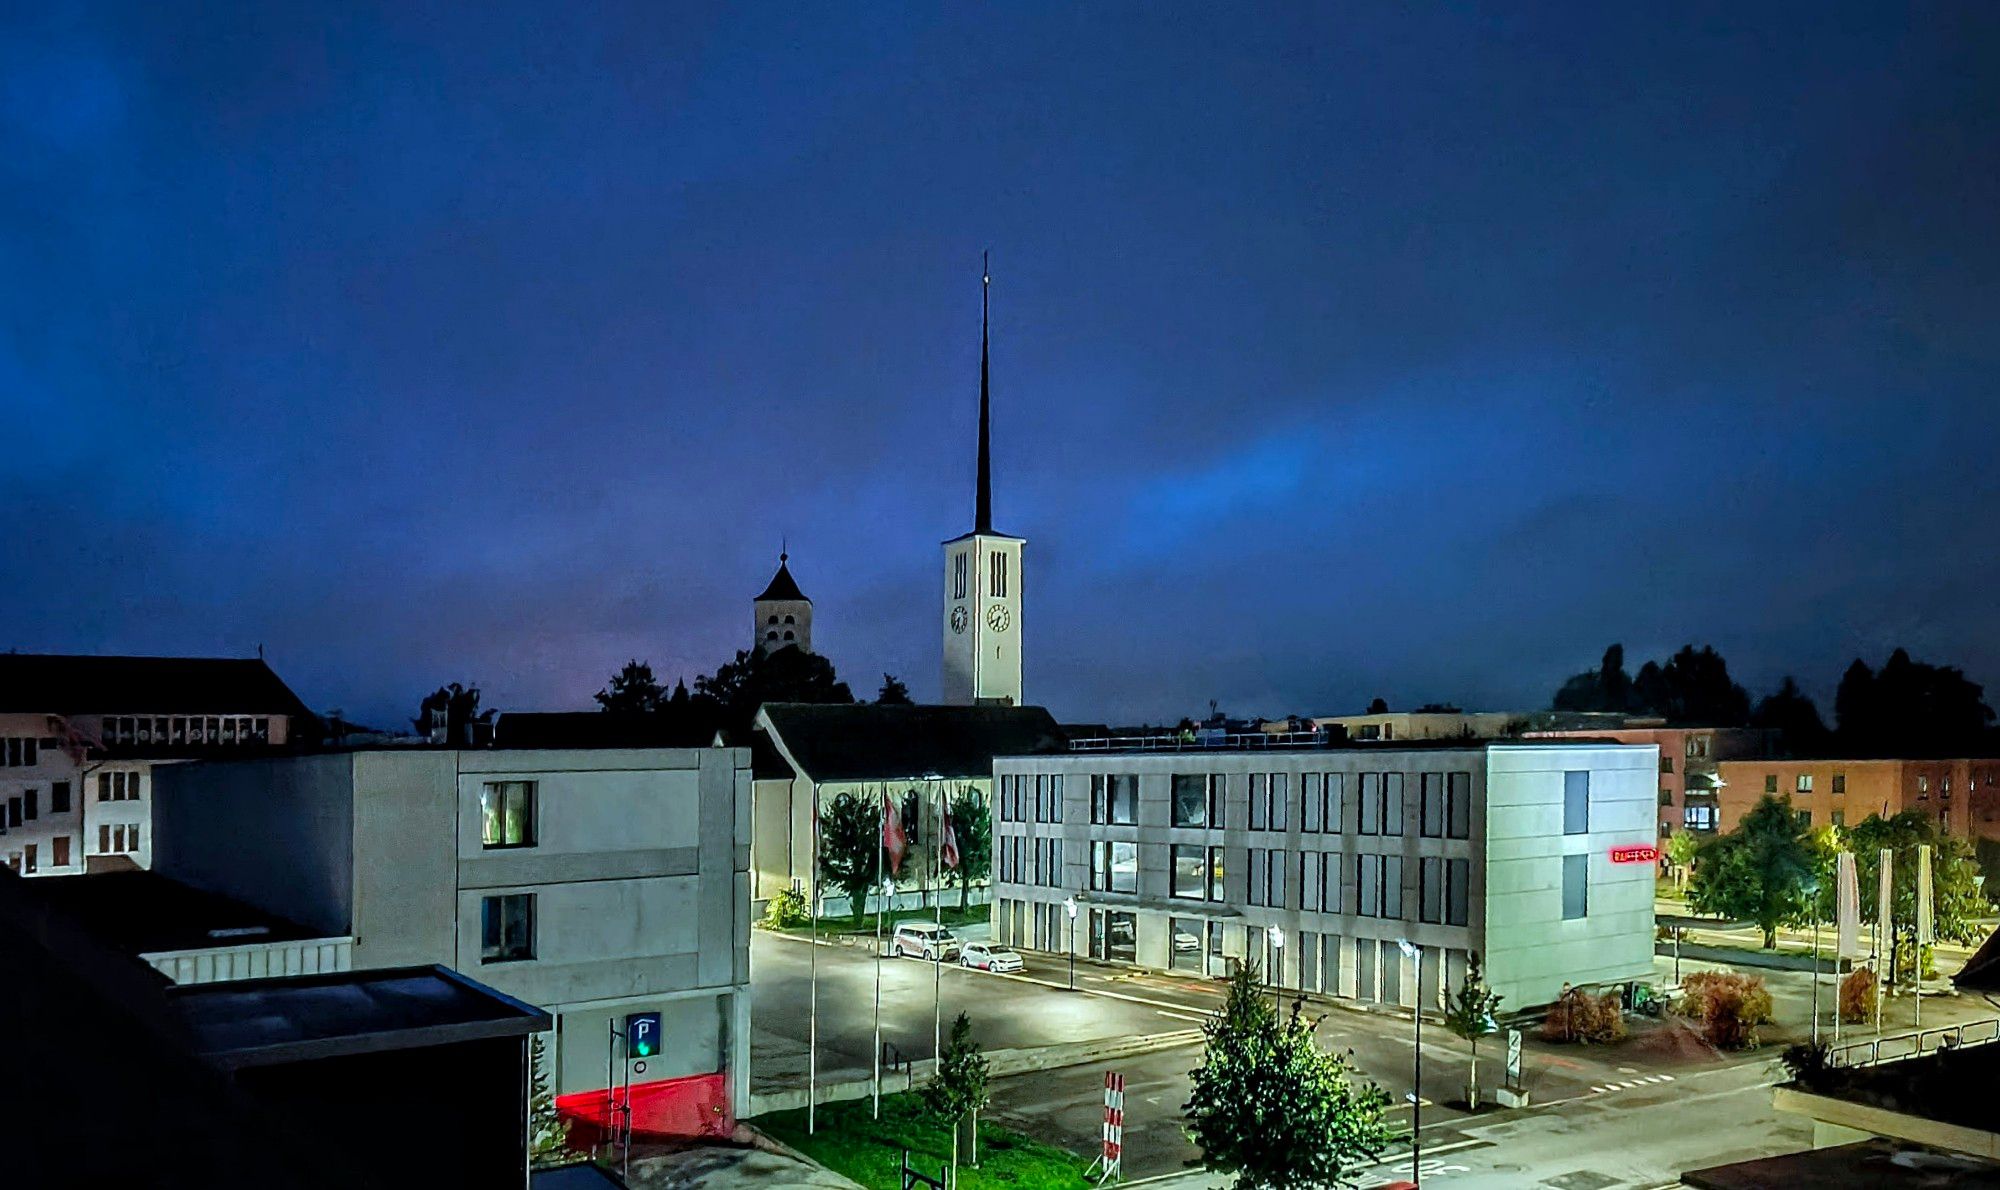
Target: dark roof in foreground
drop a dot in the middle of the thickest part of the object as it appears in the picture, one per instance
(867, 742)
(1877, 1164)
(597, 729)
(67, 684)
(141, 912)
(1981, 972)
(261, 1021)
(783, 586)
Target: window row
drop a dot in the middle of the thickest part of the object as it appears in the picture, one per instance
(1114, 867)
(118, 840)
(1031, 861)
(184, 729)
(20, 752)
(1199, 801)
(1114, 799)
(1442, 893)
(118, 787)
(1039, 795)
(1197, 874)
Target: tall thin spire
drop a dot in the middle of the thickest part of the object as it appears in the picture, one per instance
(983, 519)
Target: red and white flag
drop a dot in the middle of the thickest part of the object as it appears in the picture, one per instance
(948, 839)
(893, 842)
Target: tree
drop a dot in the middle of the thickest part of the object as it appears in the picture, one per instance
(1606, 688)
(893, 693)
(632, 691)
(972, 822)
(1694, 688)
(1379, 706)
(1470, 1016)
(1681, 849)
(1763, 871)
(959, 1090)
(850, 848)
(1957, 899)
(548, 1131)
(452, 709)
(1268, 1105)
(1909, 708)
(737, 688)
(1789, 712)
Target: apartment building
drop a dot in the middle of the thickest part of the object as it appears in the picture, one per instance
(1962, 794)
(1391, 726)
(608, 886)
(1318, 862)
(80, 737)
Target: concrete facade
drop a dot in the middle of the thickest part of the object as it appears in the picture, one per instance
(1690, 779)
(1464, 849)
(636, 870)
(982, 619)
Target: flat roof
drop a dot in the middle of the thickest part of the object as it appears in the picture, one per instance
(142, 912)
(1876, 1164)
(298, 1018)
(1238, 745)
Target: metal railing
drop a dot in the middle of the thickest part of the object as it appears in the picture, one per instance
(1914, 1045)
(1169, 742)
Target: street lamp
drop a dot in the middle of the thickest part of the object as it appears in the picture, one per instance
(1069, 907)
(1277, 937)
(1416, 955)
(888, 890)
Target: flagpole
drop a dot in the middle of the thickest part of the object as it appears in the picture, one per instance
(937, 965)
(812, 958)
(881, 845)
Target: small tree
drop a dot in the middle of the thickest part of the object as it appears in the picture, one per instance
(1470, 1016)
(1270, 1106)
(850, 848)
(958, 1090)
(893, 693)
(1681, 849)
(632, 691)
(972, 822)
(1762, 871)
(548, 1132)
(786, 910)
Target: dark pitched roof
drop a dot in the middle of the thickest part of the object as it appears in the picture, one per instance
(66, 684)
(766, 762)
(139, 912)
(782, 585)
(866, 742)
(597, 729)
(1981, 972)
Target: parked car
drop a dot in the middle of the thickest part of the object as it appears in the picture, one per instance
(989, 956)
(925, 940)
(1186, 943)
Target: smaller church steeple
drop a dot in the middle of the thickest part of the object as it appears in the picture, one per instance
(781, 618)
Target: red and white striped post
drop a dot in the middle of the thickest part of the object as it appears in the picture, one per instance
(1113, 1156)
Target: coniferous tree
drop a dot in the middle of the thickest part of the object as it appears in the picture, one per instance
(893, 693)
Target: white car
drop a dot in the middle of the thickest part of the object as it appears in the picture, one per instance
(925, 940)
(988, 956)
(1185, 943)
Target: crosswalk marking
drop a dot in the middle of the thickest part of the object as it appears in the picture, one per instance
(1628, 1084)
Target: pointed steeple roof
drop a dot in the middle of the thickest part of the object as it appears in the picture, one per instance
(783, 586)
(983, 518)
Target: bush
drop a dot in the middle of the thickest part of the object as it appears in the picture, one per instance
(1857, 996)
(786, 910)
(1727, 1005)
(1578, 1016)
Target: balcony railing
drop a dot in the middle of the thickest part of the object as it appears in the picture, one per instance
(1239, 742)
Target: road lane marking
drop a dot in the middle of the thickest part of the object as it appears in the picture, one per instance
(1179, 1016)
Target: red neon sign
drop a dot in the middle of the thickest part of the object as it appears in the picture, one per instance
(1634, 855)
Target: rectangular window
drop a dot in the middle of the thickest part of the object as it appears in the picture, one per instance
(1330, 885)
(1259, 811)
(1923, 786)
(59, 852)
(1117, 867)
(1458, 806)
(1124, 794)
(1257, 877)
(103, 840)
(1430, 890)
(1840, 818)
(1457, 893)
(1576, 803)
(507, 928)
(13, 812)
(31, 857)
(1430, 805)
(507, 814)
(1770, 782)
(132, 838)
(1190, 878)
(1281, 801)
(1368, 885)
(1371, 803)
(31, 803)
(1804, 783)
(1392, 803)
(1312, 869)
(1576, 887)
(1056, 797)
(1311, 804)
(1666, 764)
(104, 787)
(1334, 814)
(1190, 800)
(958, 574)
(1698, 818)
(1218, 802)
(1392, 886)
(997, 573)
(1097, 804)
(59, 797)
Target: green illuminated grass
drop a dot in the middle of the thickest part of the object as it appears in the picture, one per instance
(869, 1151)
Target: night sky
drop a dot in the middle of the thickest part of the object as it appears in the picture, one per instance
(1413, 351)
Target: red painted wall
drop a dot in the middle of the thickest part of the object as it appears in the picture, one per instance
(694, 1106)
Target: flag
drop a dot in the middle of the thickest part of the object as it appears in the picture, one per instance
(948, 838)
(1924, 923)
(1885, 890)
(892, 836)
(1847, 906)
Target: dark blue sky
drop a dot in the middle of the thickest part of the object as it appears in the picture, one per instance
(1416, 351)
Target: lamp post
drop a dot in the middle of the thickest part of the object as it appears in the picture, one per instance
(1416, 955)
(1069, 907)
(1277, 937)
(888, 890)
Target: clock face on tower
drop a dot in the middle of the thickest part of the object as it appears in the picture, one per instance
(959, 619)
(997, 618)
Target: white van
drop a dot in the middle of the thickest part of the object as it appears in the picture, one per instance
(925, 940)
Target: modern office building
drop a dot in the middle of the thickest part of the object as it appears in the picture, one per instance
(1315, 862)
(601, 885)
(1963, 795)
(80, 737)
(1690, 780)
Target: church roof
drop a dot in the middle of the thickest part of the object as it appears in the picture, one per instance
(48, 683)
(783, 586)
(871, 742)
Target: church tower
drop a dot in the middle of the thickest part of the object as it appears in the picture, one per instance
(782, 616)
(982, 575)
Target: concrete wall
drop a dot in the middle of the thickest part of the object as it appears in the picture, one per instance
(772, 620)
(278, 834)
(405, 854)
(1530, 951)
(982, 661)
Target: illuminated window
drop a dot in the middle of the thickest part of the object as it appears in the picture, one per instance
(1803, 784)
(507, 814)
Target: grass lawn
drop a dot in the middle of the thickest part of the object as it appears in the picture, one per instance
(870, 1151)
(953, 916)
